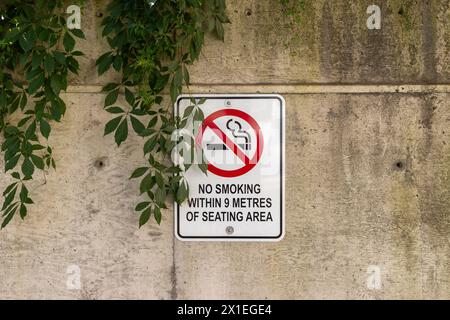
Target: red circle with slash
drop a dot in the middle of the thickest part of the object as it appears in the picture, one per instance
(249, 164)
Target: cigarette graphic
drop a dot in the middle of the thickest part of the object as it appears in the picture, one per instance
(223, 147)
(236, 130)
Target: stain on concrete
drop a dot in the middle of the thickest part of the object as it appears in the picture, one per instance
(339, 118)
(173, 277)
(426, 122)
(429, 42)
(336, 49)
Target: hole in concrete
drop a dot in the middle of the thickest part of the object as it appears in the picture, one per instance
(399, 165)
(99, 14)
(100, 163)
(248, 12)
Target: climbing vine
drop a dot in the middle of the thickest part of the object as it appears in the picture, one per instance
(37, 53)
(152, 45)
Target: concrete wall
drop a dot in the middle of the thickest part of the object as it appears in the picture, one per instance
(367, 159)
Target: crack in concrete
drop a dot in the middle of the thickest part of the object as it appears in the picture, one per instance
(430, 73)
(173, 274)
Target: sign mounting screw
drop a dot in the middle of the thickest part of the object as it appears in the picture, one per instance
(229, 230)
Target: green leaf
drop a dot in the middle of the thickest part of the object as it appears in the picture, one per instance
(182, 193)
(36, 60)
(186, 76)
(11, 130)
(203, 167)
(37, 161)
(12, 150)
(23, 211)
(12, 163)
(146, 183)
(159, 179)
(44, 34)
(219, 30)
(10, 142)
(55, 84)
(68, 42)
(173, 91)
(58, 109)
(115, 110)
(49, 64)
(139, 172)
(147, 132)
(60, 57)
(27, 167)
(9, 216)
(23, 101)
(118, 61)
(23, 121)
(138, 126)
(45, 128)
(157, 214)
(199, 116)
(162, 81)
(160, 196)
(109, 87)
(73, 65)
(10, 208)
(141, 206)
(150, 145)
(37, 147)
(27, 40)
(9, 198)
(104, 63)
(111, 98)
(178, 78)
(9, 188)
(121, 132)
(30, 134)
(78, 33)
(187, 112)
(77, 53)
(129, 96)
(112, 125)
(152, 122)
(145, 216)
(15, 175)
(36, 84)
(24, 194)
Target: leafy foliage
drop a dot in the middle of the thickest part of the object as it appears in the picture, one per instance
(37, 52)
(152, 44)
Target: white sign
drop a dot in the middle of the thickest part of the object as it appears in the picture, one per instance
(242, 196)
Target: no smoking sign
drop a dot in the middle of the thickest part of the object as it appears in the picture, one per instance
(242, 196)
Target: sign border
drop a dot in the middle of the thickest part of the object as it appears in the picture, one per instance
(282, 169)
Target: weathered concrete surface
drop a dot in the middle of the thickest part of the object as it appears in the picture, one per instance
(334, 44)
(368, 178)
(85, 216)
(367, 184)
